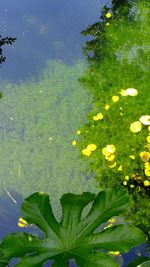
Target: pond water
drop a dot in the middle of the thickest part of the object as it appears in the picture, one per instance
(43, 104)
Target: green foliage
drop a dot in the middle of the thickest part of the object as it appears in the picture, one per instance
(38, 120)
(117, 55)
(85, 239)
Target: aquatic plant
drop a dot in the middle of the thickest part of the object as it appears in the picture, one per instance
(91, 239)
(118, 77)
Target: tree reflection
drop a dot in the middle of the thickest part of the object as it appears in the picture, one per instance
(118, 54)
(4, 41)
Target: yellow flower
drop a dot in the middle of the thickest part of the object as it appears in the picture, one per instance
(86, 152)
(114, 253)
(74, 142)
(146, 183)
(115, 98)
(105, 152)
(99, 116)
(149, 128)
(131, 185)
(127, 178)
(136, 127)
(131, 91)
(107, 24)
(78, 132)
(110, 158)
(147, 165)
(95, 118)
(120, 168)
(108, 15)
(148, 139)
(113, 165)
(22, 223)
(111, 149)
(145, 120)
(132, 157)
(91, 147)
(125, 183)
(144, 155)
(147, 172)
(147, 146)
(107, 107)
(123, 92)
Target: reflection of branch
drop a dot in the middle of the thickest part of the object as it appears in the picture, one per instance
(10, 196)
(3, 41)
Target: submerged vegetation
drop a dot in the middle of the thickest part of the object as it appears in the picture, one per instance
(37, 122)
(116, 139)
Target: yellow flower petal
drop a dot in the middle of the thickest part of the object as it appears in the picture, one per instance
(91, 147)
(105, 152)
(131, 185)
(110, 158)
(107, 107)
(148, 139)
(74, 142)
(115, 98)
(110, 148)
(100, 116)
(147, 172)
(149, 128)
(108, 15)
(136, 127)
(132, 157)
(127, 178)
(146, 183)
(95, 118)
(144, 155)
(113, 165)
(86, 152)
(123, 92)
(107, 24)
(131, 91)
(120, 168)
(145, 119)
(147, 165)
(125, 183)
(78, 132)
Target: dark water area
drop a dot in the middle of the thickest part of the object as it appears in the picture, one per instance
(44, 30)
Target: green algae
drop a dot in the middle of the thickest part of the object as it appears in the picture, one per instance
(39, 119)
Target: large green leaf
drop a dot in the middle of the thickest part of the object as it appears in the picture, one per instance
(74, 237)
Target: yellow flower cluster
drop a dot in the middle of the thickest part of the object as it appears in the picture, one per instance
(89, 149)
(136, 126)
(147, 168)
(109, 153)
(98, 116)
(129, 92)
